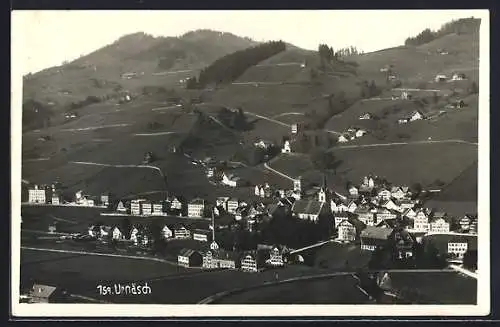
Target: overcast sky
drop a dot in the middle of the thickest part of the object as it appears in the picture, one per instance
(51, 37)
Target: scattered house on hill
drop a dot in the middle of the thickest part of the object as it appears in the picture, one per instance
(403, 120)
(56, 198)
(366, 116)
(202, 235)
(417, 115)
(189, 258)
(374, 237)
(52, 228)
(121, 207)
(308, 209)
(40, 293)
(384, 194)
(249, 263)
(286, 147)
(295, 128)
(458, 77)
(167, 232)
(440, 78)
(196, 208)
(360, 132)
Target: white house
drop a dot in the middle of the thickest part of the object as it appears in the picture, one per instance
(166, 232)
(249, 263)
(196, 207)
(295, 128)
(182, 233)
(353, 191)
(458, 77)
(457, 248)
(365, 116)
(117, 234)
(384, 194)
(286, 147)
(360, 132)
(439, 225)
(421, 221)
(232, 205)
(133, 235)
(37, 195)
(275, 258)
(231, 180)
(121, 207)
(416, 115)
(346, 231)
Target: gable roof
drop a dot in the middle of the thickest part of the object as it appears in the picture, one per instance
(44, 291)
(378, 233)
(307, 207)
(187, 252)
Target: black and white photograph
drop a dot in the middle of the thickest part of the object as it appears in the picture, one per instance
(245, 163)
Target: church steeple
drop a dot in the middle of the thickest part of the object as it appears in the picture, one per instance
(322, 195)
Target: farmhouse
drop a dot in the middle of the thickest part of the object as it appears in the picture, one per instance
(403, 244)
(374, 237)
(360, 132)
(174, 202)
(405, 95)
(105, 199)
(262, 144)
(308, 209)
(295, 128)
(403, 120)
(133, 235)
(421, 221)
(196, 207)
(189, 258)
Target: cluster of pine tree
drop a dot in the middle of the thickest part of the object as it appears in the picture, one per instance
(230, 67)
(348, 51)
(460, 26)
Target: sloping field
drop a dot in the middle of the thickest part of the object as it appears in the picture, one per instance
(408, 164)
(333, 290)
(440, 288)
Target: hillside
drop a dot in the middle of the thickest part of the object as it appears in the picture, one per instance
(146, 59)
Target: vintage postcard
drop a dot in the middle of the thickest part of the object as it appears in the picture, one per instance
(250, 163)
